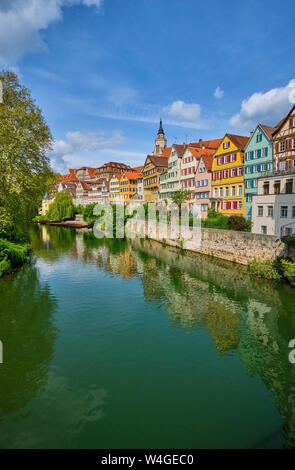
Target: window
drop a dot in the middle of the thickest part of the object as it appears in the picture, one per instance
(263, 229)
(220, 192)
(215, 192)
(282, 166)
(240, 205)
(293, 212)
(233, 190)
(259, 137)
(240, 190)
(232, 173)
(282, 146)
(277, 187)
(289, 186)
(260, 211)
(284, 212)
(226, 145)
(226, 191)
(219, 161)
(270, 211)
(293, 144)
(240, 171)
(266, 188)
(249, 197)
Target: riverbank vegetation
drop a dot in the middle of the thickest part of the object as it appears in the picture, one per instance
(61, 209)
(281, 268)
(25, 173)
(12, 255)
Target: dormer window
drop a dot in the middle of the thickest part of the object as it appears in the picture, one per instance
(259, 137)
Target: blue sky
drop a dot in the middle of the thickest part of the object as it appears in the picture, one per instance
(104, 71)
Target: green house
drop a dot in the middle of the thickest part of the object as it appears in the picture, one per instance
(258, 162)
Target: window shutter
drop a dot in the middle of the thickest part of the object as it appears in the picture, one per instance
(277, 147)
(291, 123)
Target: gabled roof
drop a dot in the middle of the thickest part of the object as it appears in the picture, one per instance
(158, 161)
(267, 130)
(208, 161)
(240, 140)
(132, 175)
(180, 149)
(200, 152)
(166, 152)
(85, 185)
(282, 122)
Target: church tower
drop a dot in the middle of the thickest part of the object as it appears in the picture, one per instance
(160, 142)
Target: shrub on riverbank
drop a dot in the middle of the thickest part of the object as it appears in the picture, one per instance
(62, 208)
(12, 255)
(216, 220)
(288, 271)
(239, 223)
(265, 269)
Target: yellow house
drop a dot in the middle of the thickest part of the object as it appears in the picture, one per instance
(228, 176)
(46, 201)
(128, 185)
(114, 191)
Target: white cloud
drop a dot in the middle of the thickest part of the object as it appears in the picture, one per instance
(218, 93)
(22, 20)
(182, 111)
(85, 148)
(267, 108)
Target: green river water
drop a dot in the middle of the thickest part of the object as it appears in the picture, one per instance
(115, 344)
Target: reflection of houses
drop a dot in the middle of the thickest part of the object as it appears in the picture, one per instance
(274, 205)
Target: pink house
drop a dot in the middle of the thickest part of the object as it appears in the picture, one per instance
(203, 184)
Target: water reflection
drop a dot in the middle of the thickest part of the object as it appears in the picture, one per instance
(28, 334)
(256, 318)
(243, 315)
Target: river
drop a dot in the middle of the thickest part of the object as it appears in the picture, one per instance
(116, 344)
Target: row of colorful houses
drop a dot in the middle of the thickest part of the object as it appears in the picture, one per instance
(250, 176)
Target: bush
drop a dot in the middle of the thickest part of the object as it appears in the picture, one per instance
(239, 223)
(216, 220)
(289, 240)
(288, 269)
(264, 269)
(12, 255)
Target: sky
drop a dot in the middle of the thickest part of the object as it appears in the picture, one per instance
(105, 71)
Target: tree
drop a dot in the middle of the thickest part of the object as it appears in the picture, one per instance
(62, 208)
(180, 197)
(25, 173)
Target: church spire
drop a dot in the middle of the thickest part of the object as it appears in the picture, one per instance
(160, 142)
(161, 131)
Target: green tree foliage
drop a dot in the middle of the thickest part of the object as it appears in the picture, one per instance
(62, 208)
(11, 255)
(25, 173)
(180, 196)
(216, 220)
(239, 223)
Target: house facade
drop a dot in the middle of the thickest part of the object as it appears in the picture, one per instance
(273, 210)
(284, 144)
(228, 175)
(170, 180)
(154, 167)
(129, 185)
(258, 162)
(115, 188)
(203, 185)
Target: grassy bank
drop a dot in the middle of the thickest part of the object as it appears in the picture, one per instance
(12, 256)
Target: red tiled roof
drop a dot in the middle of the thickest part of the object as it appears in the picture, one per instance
(166, 152)
(132, 175)
(268, 130)
(208, 160)
(240, 140)
(210, 144)
(158, 161)
(180, 149)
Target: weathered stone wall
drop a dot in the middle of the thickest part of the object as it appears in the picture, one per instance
(240, 247)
